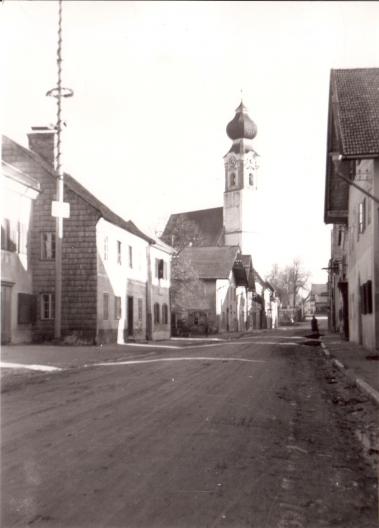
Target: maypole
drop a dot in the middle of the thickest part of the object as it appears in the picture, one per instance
(60, 209)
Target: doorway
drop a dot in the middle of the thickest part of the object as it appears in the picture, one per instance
(6, 306)
(130, 315)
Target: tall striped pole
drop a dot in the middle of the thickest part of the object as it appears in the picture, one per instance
(58, 206)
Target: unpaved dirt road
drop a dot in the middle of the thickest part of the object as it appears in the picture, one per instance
(244, 434)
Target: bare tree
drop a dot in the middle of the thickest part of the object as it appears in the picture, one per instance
(297, 278)
(184, 233)
(186, 287)
(288, 281)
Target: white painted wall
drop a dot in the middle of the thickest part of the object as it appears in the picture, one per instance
(113, 278)
(16, 203)
(362, 253)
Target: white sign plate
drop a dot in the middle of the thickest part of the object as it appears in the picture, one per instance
(60, 209)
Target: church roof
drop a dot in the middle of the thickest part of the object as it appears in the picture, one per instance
(208, 224)
(241, 126)
(214, 262)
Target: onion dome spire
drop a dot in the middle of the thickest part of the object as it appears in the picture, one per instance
(241, 126)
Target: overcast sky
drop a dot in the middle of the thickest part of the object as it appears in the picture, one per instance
(155, 85)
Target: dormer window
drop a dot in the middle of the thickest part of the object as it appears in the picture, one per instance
(232, 179)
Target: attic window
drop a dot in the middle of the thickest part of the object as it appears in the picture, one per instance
(232, 179)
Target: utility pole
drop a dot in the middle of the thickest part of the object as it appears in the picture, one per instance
(60, 209)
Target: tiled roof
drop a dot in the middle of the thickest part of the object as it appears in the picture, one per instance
(104, 211)
(355, 100)
(211, 262)
(208, 224)
(25, 159)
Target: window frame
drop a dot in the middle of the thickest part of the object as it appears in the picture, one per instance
(156, 313)
(119, 252)
(48, 248)
(140, 309)
(105, 306)
(362, 216)
(117, 307)
(50, 316)
(130, 256)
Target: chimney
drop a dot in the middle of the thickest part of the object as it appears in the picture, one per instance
(42, 142)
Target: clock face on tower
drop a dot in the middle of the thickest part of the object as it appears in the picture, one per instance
(232, 162)
(251, 164)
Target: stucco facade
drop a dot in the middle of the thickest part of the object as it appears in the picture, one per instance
(363, 257)
(18, 191)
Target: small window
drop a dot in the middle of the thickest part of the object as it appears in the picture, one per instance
(47, 306)
(22, 238)
(140, 309)
(232, 179)
(340, 236)
(9, 235)
(117, 307)
(105, 306)
(130, 257)
(366, 297)
(159, 268)
(48, 246)
(156, 313)
(362, 216)
(251, 178)
(5, 233)
(165, 314)
(119, 260)
(106, 248)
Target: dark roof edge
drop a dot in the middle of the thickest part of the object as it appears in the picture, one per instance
(360, 156)
(195, 211)
(328, 149)
(38, 159)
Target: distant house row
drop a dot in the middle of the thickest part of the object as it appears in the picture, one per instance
(115, 279)
(352, 204)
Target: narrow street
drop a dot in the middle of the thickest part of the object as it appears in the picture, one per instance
(255, 432)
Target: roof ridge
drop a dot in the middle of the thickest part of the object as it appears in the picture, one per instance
(197, 210)
(84, 193)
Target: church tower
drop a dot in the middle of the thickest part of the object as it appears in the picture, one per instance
(240, 196)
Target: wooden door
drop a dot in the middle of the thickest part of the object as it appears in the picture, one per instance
(130, 316)
(6, 306)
